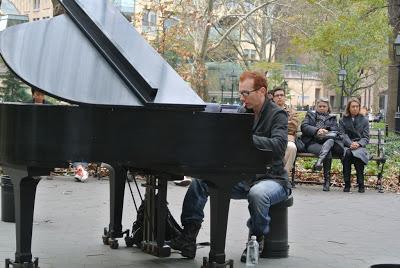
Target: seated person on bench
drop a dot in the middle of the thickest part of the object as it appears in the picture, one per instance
(319, 129)
(261, 192)
(279, 97)
(354, 128)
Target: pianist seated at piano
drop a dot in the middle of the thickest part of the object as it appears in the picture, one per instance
(270, 132)
(38, 96)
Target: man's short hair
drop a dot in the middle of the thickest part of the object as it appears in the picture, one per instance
(278, 89)
(34, 89)
(259, 79)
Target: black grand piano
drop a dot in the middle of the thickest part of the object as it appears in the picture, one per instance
(135, 112)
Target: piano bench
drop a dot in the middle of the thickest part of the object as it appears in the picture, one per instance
(276, 242)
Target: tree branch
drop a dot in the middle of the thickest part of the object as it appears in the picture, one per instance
(238, 23)
(203, 49)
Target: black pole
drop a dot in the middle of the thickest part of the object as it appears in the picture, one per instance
(232, 92)
(222, 93)
(398, 90)
(397, 114)
(341, 97)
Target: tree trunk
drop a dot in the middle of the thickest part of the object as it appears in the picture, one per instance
(375, 99)
(393, 72)
(199, 79)
(200, 72)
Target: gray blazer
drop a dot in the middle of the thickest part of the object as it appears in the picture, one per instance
(357, 130)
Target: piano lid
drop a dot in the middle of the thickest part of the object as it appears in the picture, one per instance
(93, 55)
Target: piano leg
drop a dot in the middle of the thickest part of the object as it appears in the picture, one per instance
(24, 195)
(117, 190)
(219, 205)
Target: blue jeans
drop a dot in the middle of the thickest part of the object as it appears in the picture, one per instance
(261, 197)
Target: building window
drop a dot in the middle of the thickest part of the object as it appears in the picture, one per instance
(36, 4)
(317, 93)
(35, 19)
(149, 21)
(152, 18)
(145, 18)
(249, 54)
(332, 101)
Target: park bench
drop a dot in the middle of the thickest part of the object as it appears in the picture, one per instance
(377, 140)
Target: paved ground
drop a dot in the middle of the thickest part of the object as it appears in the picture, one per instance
(332, 229)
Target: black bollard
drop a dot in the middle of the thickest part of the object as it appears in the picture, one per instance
(276, 243)
(7, 200)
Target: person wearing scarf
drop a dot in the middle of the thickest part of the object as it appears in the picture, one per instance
(319, 135)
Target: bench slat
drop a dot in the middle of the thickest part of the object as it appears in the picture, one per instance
(376, 141)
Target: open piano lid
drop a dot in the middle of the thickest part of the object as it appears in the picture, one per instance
(93, 55)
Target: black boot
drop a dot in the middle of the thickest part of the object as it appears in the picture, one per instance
(260, 240)
(318, 164)
(327, 174)
(186, 242)
(346, 188)
(359, 165)
(327, 182)
(346, 162)
(325, 149)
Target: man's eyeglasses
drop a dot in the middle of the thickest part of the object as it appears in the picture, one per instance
(246, 93)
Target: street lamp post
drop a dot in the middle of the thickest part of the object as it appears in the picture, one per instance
(233, 77)
(285, 85)
(396, 47)
(222, 83)
(342, 76)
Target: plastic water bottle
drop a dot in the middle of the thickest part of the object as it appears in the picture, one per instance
(252, 252)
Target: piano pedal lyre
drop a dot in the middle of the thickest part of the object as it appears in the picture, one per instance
(155, 207)
(207, 264)
(34, 264)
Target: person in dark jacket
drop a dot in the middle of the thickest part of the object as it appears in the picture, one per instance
(38, 96)
(320, 137)
(270, 131)
(354, 128)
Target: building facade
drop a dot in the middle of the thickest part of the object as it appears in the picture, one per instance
(43, 9)
(127, 7)
(34, 9)
(304, 87)
(10, 15)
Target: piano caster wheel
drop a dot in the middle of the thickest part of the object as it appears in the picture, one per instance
(113, 243)
(207, 264)
(129, 241)
(106, 237)
(34, 264)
